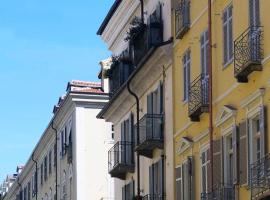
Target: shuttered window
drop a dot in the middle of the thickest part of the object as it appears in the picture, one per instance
(243, 153)
(41, 174)
(45, 168)
(156, 179)
(227, 35)
(185, 180)
(128, 191)
(235, 138)
(50, 162)
(186, 72)
(228, 159)
(205, 170)
(254, 12)
(155, 101)
(204, 53)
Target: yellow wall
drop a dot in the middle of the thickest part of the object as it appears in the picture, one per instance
(226, 90)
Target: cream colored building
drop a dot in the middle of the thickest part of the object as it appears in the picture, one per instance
(138, 33)
(74, 167)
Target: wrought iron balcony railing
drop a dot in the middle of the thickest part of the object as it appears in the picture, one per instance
(151, 35)
(151, 134)
(182, 19)
(121, 159)
(198, 98)
(118, 75)
(154, 197)
(220, 192)
(260, 176)
(248, 53)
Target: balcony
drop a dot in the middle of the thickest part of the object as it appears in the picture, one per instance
(150, 35)
(248, 53)
(154, 197)
(198, 98)
(221, 192)
(151, 134)
(182, 19)
(260, 177)
(121, 159)
(118, 74)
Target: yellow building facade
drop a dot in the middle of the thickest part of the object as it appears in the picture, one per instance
(241, 84)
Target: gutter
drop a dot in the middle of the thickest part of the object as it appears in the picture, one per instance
(137, 69)
(138, 138)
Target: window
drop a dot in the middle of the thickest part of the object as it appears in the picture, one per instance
(184, 180)
(25, 193)
(128, 191)
(64, 187)
(112, 132)
(228, 159)
(41, 174)
(155, 101)
(256, 147)
(186, 73)
(29, 190)
(254, 12)
(156, 179)
(179, 183)
(34, 184)
(227, 35)
(205, 164)
(45, 168)
(50, 162)
(204, 54)
(55, 155)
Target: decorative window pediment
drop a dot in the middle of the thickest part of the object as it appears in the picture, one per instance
(225, 113)
(185, 143)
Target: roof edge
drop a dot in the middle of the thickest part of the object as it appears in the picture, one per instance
(108, 17)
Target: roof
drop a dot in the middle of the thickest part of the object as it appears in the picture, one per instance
(109, 16)
(81, 87)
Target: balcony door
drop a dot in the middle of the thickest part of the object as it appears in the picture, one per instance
(204, 65)
(127, 141)
(228, 160)
(156, 180)
(254, 21)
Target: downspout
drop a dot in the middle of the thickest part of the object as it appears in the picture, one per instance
(210, 90)
(56, 169)
(32, 157)
(138, 138)
(142, 11)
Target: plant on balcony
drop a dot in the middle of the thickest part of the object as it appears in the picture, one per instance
(136, 27)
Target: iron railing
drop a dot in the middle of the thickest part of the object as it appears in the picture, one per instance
(151, 129)
(198, 97)
(260, 176)
(220, 192)
(248, 51)
(182, 19)
(151, 35)
(154, 197)
(122, 153)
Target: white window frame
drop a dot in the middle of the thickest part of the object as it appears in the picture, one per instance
(186, 62)
(204, 150)
(181, 182)
(253, 135)
(225, 26)
(227, 153)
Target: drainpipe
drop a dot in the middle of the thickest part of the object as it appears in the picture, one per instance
(32, 157)
(210, 89)
(142, 11)
(138, 138)
(56, 170)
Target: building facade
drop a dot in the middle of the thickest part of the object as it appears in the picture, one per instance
(138, 33)
(230, 161)
(70, 160)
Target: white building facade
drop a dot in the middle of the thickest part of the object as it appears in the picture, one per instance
(138, 33)
(70, 160)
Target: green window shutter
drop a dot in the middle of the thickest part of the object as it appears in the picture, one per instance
(217, 162)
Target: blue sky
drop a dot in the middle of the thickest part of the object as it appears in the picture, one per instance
(43, 45)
